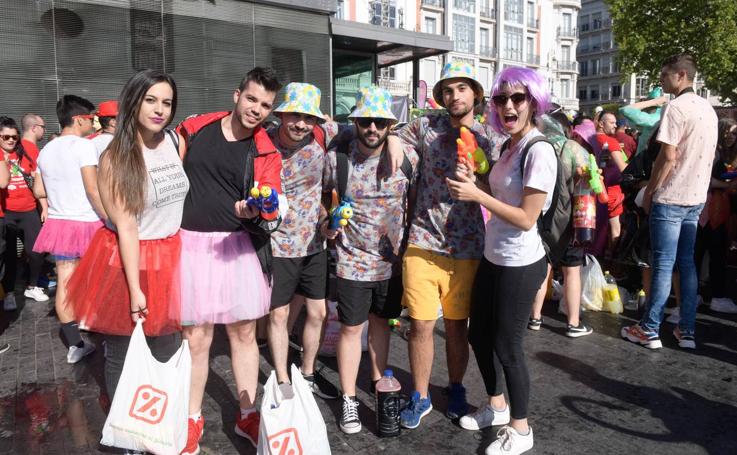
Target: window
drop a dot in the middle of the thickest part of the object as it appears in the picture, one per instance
(484, 76)
(388, 73)
(513, 11)
(594, 94)
(583, 69)
(583, 23)
(484, 37)
(530, 49)
(468, 6)
(340, 14)
(384, 17)
(430, 25)
(616, 91)
(596, 21)
(565, 88)
(595, 67)
(583, 45)
(642, 86)
(565, 54)
(464, 33)
(567, 22)
(595, 43)
(582, 92)
(513, 43)
(428, 72)
(531, 14)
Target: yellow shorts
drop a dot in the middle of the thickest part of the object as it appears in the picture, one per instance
(431, 280)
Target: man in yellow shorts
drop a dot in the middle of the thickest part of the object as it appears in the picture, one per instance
(446, 240)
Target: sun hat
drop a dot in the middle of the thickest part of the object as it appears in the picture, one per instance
(456, 69)
(301, 98)
(373, 102)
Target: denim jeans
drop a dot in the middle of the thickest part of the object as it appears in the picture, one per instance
(672, 239)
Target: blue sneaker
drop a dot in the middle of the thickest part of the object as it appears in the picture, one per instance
(415, 410)
(457, 404)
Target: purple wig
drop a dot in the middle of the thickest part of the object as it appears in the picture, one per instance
(517, 76)
(587, 131)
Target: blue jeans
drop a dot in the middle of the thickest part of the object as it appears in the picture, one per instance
(672, 239)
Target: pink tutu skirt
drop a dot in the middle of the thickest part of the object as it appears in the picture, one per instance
(66, 238)
(222, 281)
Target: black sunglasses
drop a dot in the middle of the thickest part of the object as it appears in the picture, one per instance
(380, 123)
(8, 137)
(517, 98)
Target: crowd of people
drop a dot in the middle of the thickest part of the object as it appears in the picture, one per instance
(147, 223)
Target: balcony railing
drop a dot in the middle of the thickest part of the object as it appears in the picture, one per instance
(396, 88)
(532, 59)
(513, 55)
(533, 23)
(486, 12)
(568, 66)
(434, 3)
(487, 51)
(567, 32)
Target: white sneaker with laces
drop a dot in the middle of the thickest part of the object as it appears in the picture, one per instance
(36, 293)
(9, 302)
(723, 305)
(485, 416)
(509, 442)
(350, 423)
(76, 354)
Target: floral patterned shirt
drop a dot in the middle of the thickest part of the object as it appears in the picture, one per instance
(369, 246)
(301, 176)
(440, 224)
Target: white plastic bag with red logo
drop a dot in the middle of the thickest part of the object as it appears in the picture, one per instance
(149, 410)
(291, 422)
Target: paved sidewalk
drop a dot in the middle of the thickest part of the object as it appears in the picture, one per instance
(592, 395)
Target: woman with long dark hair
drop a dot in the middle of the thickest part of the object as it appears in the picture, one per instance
(131, 269)
(20, 211)
(514, 264)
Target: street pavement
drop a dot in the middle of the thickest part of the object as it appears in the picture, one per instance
(592, 395)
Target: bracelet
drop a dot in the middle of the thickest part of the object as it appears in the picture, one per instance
(140, 310)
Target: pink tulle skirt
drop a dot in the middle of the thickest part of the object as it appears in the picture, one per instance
(66, 238)
(222, 281)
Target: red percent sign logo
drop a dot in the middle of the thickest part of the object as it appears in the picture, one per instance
(286, 442)
(149, 404)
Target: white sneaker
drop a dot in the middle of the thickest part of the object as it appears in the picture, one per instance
(36, 293)
(76, 354)
(673, 318)
(509, 442)
(9, 302)
(485, 416)
(723, 305)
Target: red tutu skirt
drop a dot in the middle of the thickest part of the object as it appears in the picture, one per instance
(98, 289)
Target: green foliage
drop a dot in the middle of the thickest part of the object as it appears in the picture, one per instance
(648, 31)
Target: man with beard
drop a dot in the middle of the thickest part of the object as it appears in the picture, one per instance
(369, 285)
(226, 252)
(446, 240)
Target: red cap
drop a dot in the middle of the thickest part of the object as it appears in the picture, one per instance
(108, 109)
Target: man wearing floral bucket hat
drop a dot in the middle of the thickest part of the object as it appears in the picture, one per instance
(300, 259)
(446, 239)
(369, 247)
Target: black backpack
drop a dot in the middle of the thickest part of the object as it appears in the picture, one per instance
(554, 225)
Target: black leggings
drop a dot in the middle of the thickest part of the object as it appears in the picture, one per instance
(500, 307)
(27, 224)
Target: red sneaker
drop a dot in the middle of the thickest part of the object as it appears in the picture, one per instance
(248, 427)
(194, 434)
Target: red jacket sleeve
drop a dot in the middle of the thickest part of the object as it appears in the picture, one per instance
(267, 170)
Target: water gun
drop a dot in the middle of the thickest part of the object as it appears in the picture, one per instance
(341, 213)
(470, 153)
(266, 200)
(395, 324)
(596, 181)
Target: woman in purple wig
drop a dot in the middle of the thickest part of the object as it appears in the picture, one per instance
(514, 264)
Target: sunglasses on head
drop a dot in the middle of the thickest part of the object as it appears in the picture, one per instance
(380, 123)
(9, 137)
(517, 98)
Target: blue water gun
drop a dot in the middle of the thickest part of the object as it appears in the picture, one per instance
(341, 213)
(266, 200)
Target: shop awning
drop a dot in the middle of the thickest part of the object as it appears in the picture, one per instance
(391, 45)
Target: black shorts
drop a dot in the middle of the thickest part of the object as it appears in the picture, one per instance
(572, 257)
(306, 276)
(356, 299)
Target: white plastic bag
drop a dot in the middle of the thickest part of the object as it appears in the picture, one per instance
(592, 285)
(149, 410)
(291, 422)
(329, 346)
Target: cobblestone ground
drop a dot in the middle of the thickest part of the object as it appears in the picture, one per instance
(592, 395)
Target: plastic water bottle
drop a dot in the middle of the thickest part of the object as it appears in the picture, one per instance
(387, 405)
(612, 300)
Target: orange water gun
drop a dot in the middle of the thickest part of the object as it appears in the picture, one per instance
(470, 153)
